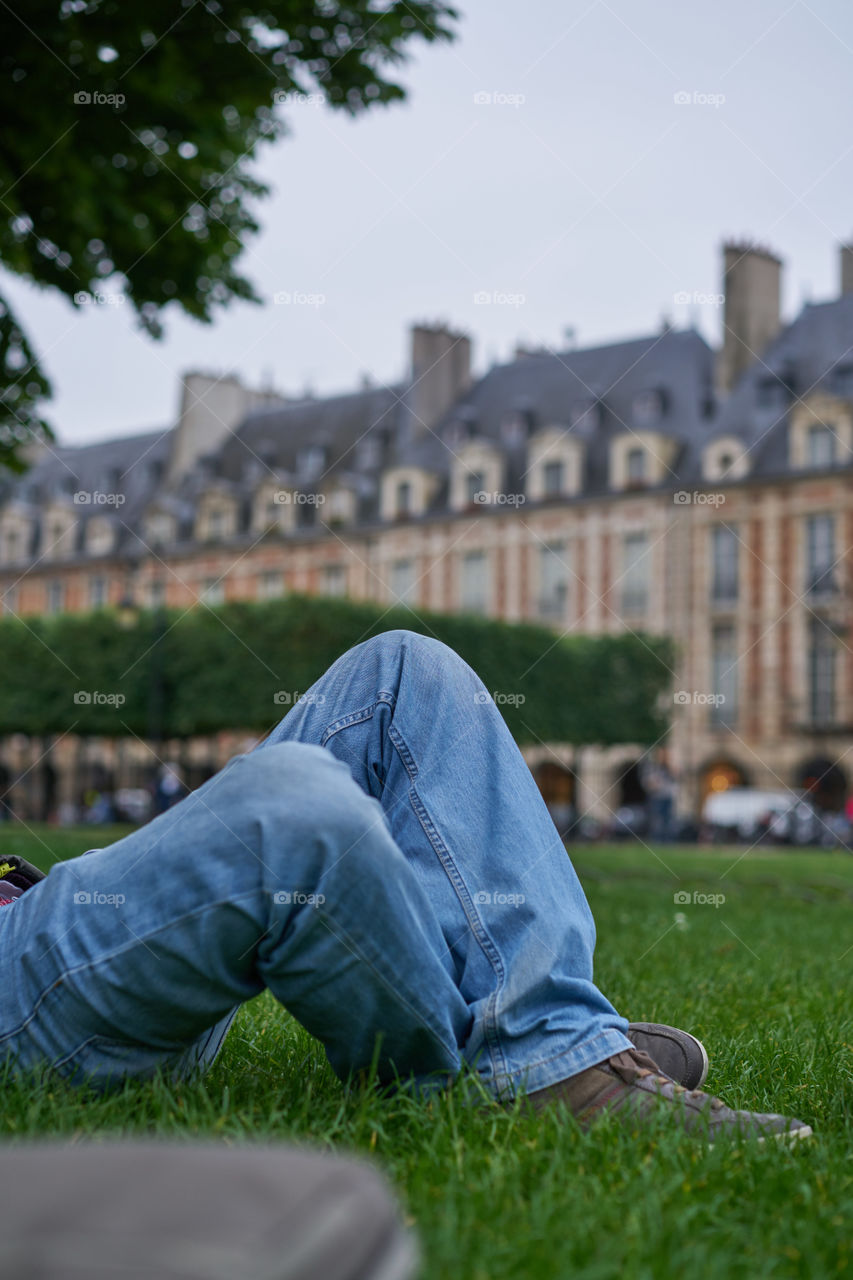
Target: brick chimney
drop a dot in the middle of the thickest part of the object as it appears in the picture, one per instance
(846, 263)
(211, 408)
(440, 373)
(752, 314)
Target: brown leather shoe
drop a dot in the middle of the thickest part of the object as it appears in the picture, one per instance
(630, 1085)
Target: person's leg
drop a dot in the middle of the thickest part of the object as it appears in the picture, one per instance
(422, 736)
(278, 872)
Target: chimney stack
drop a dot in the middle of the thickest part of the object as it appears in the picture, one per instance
(846, 255)
(440, 373)
(752, 313)
(211, 407)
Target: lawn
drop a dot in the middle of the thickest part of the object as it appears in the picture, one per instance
(763, 977)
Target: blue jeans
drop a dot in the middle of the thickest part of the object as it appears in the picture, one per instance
(383, 863)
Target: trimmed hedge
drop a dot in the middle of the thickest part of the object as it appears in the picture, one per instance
(198, 672)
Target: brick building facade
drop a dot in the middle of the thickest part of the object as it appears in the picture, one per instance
(654, 485)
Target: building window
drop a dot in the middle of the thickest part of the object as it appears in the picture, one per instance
(340, 505)
(724, 682)
(553, 581)
(648, 407)
(821, 673)
(334, 580)
(156, 593)
(97, 592)
(635, 573)
(55, 597)
(159, 529)
(213, 591)
(12, 546)
(311, 460)
(403, 581)
(552, 479)
(474, 585)
(270, 585)
(635, 466)
(770, 393)
(216, 523)
(369, 452)
(404, 498)
(820, 555)
(474, 484)
(820, 446)
(724, 565)
(585, 413)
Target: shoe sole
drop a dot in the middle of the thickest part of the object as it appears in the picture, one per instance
(793, 1135)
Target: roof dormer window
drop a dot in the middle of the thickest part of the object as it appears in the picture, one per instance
(553, 478)
(636, 467)
(457, 434)
(820, 445)
(771, 393)
(474, 486)
(585, 414)
(369, 452)
(648, 406)
(311, 460)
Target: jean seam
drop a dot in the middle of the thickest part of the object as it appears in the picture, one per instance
(439, 848)
(356, 717)
(475, 924)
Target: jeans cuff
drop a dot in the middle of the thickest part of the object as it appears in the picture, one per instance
(551, 1070)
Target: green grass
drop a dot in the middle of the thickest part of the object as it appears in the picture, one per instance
(764, 979)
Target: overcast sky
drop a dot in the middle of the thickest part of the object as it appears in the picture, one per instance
(582, 195)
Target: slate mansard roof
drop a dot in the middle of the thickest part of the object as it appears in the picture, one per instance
(594, 394)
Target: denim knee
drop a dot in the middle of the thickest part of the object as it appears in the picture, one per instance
(304, 793)
(391, 642)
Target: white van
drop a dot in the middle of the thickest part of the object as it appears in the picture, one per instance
(745, 810)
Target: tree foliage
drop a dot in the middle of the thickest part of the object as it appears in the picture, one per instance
(129, 133)
(223, 668)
